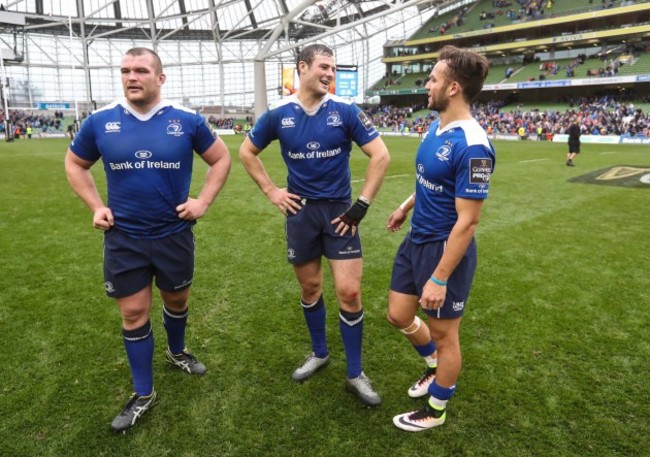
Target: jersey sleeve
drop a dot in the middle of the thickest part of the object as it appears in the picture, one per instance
(263, 132)
(474, 168)
(84, 145)
(204, 138)
(361, 128)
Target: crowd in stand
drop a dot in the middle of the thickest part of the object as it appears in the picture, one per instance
(226, 123)
(526, 10)
(456, 21)
(604, 115)
(399, 119)
(596, 116)
(21, 120)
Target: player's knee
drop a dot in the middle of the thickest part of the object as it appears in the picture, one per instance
(134, 315)
(175, 301)
(310, 288)
(350, 296)
(445, 340)
(410, 328)
(401, 323)
(177, 305)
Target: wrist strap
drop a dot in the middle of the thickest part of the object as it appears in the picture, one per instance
(364, 200)
(437, 281)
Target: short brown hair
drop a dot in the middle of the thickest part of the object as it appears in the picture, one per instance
(142, 51)
(308, 53)
(468, 68)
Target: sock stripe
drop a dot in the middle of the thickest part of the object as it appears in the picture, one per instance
(312, 306)
(138, 334)
(173, 315)
(349, 322)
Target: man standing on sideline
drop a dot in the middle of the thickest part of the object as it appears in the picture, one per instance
(315, 130)
(574, 142)
(435, 263)
(146, 144)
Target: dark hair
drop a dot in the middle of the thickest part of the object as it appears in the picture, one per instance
(467, 68)
(142, 51)
(308, 53)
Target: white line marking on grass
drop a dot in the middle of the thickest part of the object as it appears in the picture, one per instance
(607, 152)
(532, 160)
(386, 177)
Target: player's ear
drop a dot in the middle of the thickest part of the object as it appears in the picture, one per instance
(161, 79)
(454, 88)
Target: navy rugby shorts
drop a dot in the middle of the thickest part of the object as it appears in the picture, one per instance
(310, 233)
(414, 264)
(130, 264)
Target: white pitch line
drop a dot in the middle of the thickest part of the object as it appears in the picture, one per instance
(607, 152)
(386, 177)
(532, 160)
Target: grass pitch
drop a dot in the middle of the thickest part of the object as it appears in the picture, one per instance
(555, 340)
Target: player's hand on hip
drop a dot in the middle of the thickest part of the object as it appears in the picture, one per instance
(192, 209)
(103, 219)
(285, 201)
(395, 220)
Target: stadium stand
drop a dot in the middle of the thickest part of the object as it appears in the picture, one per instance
(591, 67)
(578, 48)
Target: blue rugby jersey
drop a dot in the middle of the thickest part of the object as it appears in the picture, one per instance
(315, 146)
(456, 161)
(147, 160)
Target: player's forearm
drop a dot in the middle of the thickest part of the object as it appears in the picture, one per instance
(408, 204)
(82, 183)
(459, 239)
(255, 168)
(215, 180)
(375, 175)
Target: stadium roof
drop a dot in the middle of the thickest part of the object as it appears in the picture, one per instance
(204, 19)
(207, 46)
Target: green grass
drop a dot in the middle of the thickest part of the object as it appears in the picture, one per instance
(555, 339)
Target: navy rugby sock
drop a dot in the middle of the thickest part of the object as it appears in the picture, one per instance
(139, 350)
(351, 326)
(439, 398)
(427, 351)
(175, 324)
(315, 315)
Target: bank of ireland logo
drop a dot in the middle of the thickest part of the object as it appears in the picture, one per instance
(420, 168)
(313, 145)
(143, 154)
(112, 127)
(443, 153)
(174, 128)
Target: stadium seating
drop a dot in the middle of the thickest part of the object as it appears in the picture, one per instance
(472, 20)
(638, 66)
(497, 73)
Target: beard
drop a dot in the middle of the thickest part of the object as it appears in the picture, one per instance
(439, 101)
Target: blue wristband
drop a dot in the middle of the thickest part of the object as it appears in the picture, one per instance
(437, 281)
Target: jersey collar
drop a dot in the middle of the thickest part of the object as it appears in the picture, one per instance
(314, 110)
(144, 117)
